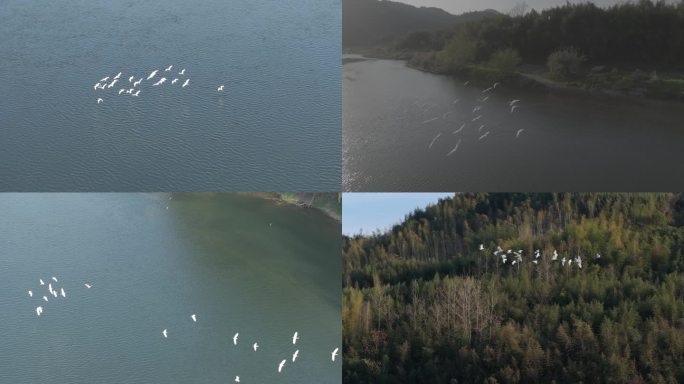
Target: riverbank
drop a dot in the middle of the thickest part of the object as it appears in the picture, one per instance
(326, 202)
(599, 80)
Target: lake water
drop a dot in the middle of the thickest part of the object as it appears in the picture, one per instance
(242, 264)
(276, 126)
(391, 115)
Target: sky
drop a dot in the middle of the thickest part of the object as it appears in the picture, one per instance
(460, 6)
(370, 211)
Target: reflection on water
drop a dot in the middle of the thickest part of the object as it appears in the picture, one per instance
(240, 263)
(392, 114)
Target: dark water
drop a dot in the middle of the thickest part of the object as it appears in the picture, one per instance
(275, 127)
(150, 269)
(569, 143)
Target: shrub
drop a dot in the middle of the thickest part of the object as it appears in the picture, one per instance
(565, 63)
(458, 51)
(505, 60)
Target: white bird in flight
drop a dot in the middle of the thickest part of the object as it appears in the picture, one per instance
(483, 136)
(30, 293)
(255, 346)
(45, 298)
(334, 353)
(513, 108)
(42, 282)
(50, 288)
(62, 291)
(153, 74)
(294, 355)
(194, 317)
(104, 79)
(295, 337)
(237, 379)
(460, 129)
(87, 285)
(137, 93)
(99, 100)
(477, 118)
(280, 366)
(466, 83)
(165, 333)
(54, 293)
(477, 108)
(455, 148)
(519, 132)
(220, 89)
(137, 82)
(481, 126)
(121, 91)
(513, 102)
(117, 76)
(182, 72)
(96, 86)
(112, 83)
(39, 310)
(130, 79)
(174, 81)
(433, 140)
(235, 338)
(168, 68)
(187, 81)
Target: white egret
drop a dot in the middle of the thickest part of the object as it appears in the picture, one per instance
(598, 255)
(430, 120)
(62, 292)
(130, 90)
(174, 81)
(481, 126)
(513, 108)
(130, 79)
(87, 285)
(168, 68)
(555, 255)
(294, 356)
(99, 100)
(117, 76)
(42, 282)
(39, 310)
(466, 83)
(334, 353)
(513, 102)
(481, 247)
(513, 262)
(456, 101)
(433, 140)
(50, 288)
(280, 366)
(235, 337)
(255, 346)
(45, 298)
(96, 86)
(187, 81)
(104, 79)
(477, 108)
(165, 333)
(460, 129)
(137, 93)
(54, 293)
(237, 379)
(295, 337)
(483, 136)
(220, 89)
(153, 74)
(535, 261)
(455, 148)
(121, 91)
(194, 317)
(137, 82)
(519, 132)
(30, 293)
(477, 118)
(563, 261)
(182, 72)
(112, 83)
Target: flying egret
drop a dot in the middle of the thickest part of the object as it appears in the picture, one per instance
(460, 129)
(39, 310)
(220, 89)
(295, 337)
(294, 356)
(237, 379)
(153, 74)
(112, 83)
(487, 90)
(96, 86)
(136, 94)
(187, 81)
(513, 102)
(45, 298)
(466, 83)
(255, 346)
(137, 82)
(182, 72)
(50, 288)
(121, 91)
(168, 68)
(482, 100)
(477, 118)
(87, 285)
(430, 120)
(174, 81)
(42, 282)
(130, 90)
(235, 338)
(194, 317)
(165, 333)
(62, 292)
(280, 366)
(30, 293)
(519, 132)
(477, 108)
(130, 79)
(117, 76)
(481, 126)
(433, 140)
(483, 136)
(54, 293)
(513, 108)
(99, 100)
(334, 353)
(104, 79)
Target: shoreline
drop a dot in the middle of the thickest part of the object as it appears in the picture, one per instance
(303, 200)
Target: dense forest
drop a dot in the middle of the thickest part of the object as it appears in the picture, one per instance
(368, 23)
(520, 288)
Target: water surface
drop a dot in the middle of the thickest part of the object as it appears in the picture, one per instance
(275, 127)
(240, 263)
(392, 113)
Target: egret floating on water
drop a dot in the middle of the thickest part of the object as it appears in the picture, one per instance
(237, 379)
(165, 333)
(187, 81)
(433, 140)
(294, 356)
(99, 100)
(255, 346)
(334, 353)
(194, 317)
(220, 89)
(153, 74)
(280, 366)
(168, 68)
(295, 337)
(30, 293)
(235, 337)
(483, 136)
(519, 132)
(39, 310)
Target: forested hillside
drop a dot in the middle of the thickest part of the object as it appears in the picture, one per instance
(567, 288)
(368, 23)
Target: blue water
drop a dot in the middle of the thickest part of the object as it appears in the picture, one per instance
(275, 127)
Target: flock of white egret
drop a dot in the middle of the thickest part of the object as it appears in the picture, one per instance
(516, 257)
(474, 118)
(134, 85)
(52, 293)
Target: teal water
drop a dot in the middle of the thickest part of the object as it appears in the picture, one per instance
(241, 263)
